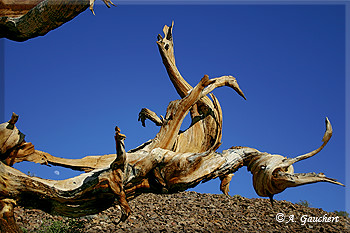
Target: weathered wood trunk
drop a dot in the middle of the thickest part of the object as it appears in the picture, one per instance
(173, 161)
(26, 19)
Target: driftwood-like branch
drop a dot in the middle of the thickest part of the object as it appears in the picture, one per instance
(152, 116)
(26, 19)
(173, 161)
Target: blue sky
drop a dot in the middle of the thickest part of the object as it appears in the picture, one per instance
(74, 85)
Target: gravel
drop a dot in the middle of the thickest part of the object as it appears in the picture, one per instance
(194, 212)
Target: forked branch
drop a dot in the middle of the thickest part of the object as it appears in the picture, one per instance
(173, 161)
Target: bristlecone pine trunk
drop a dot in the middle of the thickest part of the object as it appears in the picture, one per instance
(171, 162)
(21, 20)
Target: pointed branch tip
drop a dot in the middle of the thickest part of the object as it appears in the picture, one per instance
(14, 119)
(329, 131)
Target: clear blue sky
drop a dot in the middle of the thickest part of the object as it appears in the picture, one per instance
(74, 85)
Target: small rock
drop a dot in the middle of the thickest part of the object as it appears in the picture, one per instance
(190, 212)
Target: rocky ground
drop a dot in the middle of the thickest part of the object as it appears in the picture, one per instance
(192, 212)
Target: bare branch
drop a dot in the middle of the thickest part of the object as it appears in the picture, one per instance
(228, 81)
(225, 183)
(148, 114)
(327, 136)
(32, 18)
(166, 49)
(171, 162)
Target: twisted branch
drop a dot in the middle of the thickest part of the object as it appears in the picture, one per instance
(171, 162)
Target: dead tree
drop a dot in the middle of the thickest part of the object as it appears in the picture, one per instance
(171, 162)
(26, 19)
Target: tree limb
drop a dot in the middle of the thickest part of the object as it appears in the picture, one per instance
(171, 162)
(148, 114)
(32, 18)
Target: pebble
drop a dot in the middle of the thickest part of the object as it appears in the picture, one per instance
(192, 212)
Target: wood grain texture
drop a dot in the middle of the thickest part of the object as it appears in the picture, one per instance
(171, 162)
(26, 19)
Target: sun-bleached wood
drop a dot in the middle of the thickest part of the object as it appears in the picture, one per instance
(171, 162)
